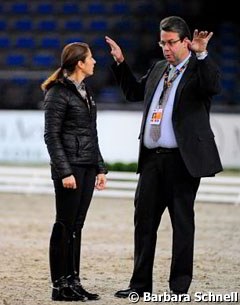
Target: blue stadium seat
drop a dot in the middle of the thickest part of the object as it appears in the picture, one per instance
(3, 25)
(19, 80)
(70, 8)
(43, 60)
(25, 43)
(45, 8)
(229, 69)
(73, 39)
(16, 60)
(98, 42)
(126, 43)
(102, 60)
(50, 43)
(123, 25)
(4, 42)
(47, 25)
(23, 25)
(99, 25)
(19, 8)
(149, 25)
(120, 8)
(146, 8)
(73, 25)
(96, 8)
(226, 28)
(228, 84)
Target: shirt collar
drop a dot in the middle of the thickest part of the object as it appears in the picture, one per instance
(179, 66)
(77, 84)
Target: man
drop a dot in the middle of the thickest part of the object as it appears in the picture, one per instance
(177, 147)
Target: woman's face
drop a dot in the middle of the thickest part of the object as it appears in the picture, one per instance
(87, 66)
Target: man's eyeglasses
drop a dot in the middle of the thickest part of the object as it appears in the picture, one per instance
(170, 43)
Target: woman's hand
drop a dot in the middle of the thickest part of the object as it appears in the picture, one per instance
(69, 182)
(101, 181)
(115, 50)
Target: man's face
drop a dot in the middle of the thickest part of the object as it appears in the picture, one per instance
(174, 49)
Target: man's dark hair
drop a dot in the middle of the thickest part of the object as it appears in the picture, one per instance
(176, 24)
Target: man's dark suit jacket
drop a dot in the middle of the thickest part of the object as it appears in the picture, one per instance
(190, 118)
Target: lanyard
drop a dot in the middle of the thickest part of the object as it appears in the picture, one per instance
(167, 83)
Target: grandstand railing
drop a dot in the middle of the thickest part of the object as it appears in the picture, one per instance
(37, 180)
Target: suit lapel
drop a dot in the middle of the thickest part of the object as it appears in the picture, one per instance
(152, 82)
(186, 76)
(154, 79)
(151, 85)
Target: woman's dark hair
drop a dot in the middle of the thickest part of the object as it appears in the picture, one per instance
(175, 24)
(71, 54)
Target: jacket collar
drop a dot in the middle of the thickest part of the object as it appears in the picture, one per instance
(153, 80)
(68, 83)
(157, 73)
(186, 76)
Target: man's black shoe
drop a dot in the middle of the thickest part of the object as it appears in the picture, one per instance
(125, 293)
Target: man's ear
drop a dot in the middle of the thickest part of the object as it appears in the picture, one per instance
(188, 43)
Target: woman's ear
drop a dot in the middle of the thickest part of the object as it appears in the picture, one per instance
(80, 64)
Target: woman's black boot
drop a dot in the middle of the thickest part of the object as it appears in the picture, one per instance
(62, 291)
(76, 286)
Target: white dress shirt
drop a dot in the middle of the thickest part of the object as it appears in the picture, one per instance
(167, 138)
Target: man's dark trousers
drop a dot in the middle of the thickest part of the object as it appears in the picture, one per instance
(164, 182)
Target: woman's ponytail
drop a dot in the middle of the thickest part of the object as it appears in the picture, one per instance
(52, 78)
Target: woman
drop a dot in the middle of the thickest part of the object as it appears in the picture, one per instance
(76, 165)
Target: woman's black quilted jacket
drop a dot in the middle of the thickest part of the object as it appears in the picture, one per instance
(70, 129)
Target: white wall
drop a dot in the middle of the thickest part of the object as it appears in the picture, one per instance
(226, 128)
(21, 136)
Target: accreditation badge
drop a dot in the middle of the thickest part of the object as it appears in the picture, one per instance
(156, 116)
